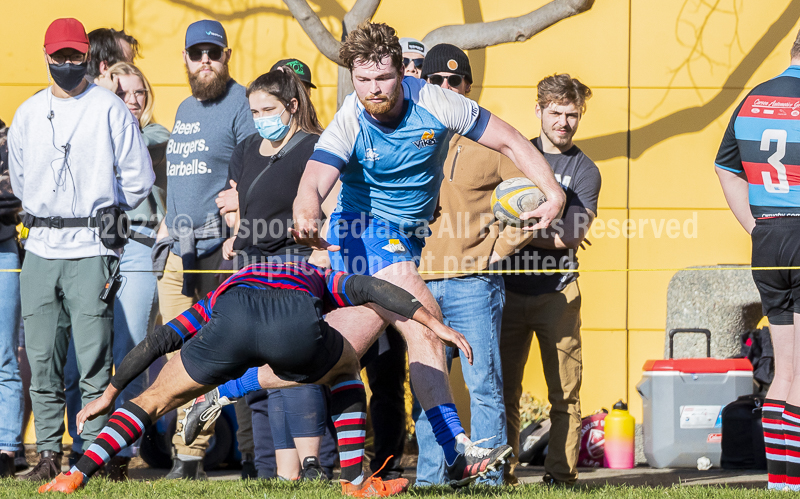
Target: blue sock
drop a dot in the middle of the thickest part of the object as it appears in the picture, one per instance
(446, 426)
(238, 388)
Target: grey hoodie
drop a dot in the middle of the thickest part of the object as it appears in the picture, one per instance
(107, 164)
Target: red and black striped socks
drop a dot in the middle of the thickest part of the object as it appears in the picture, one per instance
(782, 443)
(125, 426)
(349, 414)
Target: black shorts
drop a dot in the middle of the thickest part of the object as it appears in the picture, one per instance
(250, 327)
(776, 243)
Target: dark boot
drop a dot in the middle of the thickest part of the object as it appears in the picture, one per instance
(49, 467)
(20, 461)
(117, 468)
(312, 470)
(186, 470)
(7, 466)
(249, 471)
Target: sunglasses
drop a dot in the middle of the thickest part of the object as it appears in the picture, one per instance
(417, 62)
(138, 94)
(214, 54)
(452, 80)
(60, 60)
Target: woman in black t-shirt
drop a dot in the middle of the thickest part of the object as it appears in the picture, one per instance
(265, 170)
(264, 173)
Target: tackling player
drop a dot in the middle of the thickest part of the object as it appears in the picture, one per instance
(267, 315)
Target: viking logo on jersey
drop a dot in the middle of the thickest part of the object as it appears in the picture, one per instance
(371, 155)
(428, 139)
(395, 246)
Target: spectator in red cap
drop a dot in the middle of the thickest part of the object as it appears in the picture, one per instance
(76, 159)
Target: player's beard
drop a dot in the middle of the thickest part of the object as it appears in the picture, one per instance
(211, 87)
(385, 106)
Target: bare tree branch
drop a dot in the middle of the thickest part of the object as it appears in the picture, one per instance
(514, 29)
(316, 31)
(361, 11)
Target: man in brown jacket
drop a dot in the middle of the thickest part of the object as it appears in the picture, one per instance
(465, 239)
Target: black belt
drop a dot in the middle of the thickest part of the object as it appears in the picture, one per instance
(88, 222)
(62, 223)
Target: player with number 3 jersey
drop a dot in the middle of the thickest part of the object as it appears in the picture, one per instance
(758, 165)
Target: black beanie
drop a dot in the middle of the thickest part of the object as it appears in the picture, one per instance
(448, 59)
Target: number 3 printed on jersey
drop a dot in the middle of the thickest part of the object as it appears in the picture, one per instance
(774, 160)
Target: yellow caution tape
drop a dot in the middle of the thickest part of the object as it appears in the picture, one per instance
(460, 272)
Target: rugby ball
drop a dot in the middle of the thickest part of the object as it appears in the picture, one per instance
(514, 197)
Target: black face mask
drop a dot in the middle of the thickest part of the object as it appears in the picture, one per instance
(68, 76)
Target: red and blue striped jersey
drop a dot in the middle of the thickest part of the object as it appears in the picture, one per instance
(327, 286)
(763, 141)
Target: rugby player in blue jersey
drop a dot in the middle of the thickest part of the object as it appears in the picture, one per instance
(758, 165)
(387, 144)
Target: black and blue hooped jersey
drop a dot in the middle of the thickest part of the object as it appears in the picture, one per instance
(763, 141)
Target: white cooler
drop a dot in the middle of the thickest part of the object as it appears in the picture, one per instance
(683, 401)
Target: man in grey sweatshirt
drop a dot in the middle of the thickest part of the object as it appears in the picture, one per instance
(74, 149)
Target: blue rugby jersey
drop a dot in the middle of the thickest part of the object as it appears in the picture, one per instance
(394, 171)
(327, 286)
(763, 140)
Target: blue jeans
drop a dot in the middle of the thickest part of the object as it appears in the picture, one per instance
(11, 405)
(473, 306)
(135, 310)
(296, 412)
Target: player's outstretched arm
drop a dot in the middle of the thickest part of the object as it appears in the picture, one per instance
(737, 194)
(317, 181)
(505, 139)
(448, 335)
(162, 341)
(97, 407)
(361, 289)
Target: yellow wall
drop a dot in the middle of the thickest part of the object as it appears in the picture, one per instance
(665, 81)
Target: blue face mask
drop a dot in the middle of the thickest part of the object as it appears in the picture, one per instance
(271, 127)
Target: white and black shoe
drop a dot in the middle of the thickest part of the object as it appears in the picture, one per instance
(203, 412)
(475, 462)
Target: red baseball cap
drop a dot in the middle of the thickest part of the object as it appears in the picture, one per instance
(66, 33)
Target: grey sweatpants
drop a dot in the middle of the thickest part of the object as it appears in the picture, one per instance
(59, 298)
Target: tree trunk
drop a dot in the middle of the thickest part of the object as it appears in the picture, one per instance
(345, 86)
(466, 36)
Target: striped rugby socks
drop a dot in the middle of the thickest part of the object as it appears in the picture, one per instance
(791, 435)
(125, 426)
(349, 414)
(775, 442)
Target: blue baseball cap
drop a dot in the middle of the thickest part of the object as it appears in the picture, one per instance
(206, 31)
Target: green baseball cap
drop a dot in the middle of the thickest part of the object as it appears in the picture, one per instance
(300, 68)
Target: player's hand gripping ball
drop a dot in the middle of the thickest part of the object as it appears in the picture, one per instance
(513, 197)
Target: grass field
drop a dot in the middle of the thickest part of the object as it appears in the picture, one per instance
(101, 488)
